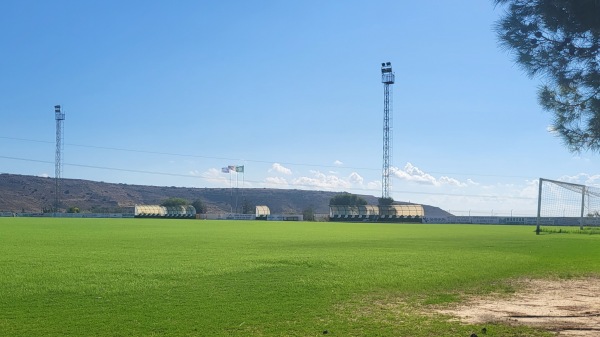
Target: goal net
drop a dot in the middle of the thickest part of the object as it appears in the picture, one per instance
(567, 204)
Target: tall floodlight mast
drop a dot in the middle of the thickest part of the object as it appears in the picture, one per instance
(60, 117)
(387, 78)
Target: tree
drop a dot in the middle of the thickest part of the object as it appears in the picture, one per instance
(347, 199)
(73, 209)
(175, 202)
(308, 214)
(199, 206)
(248, 207)
(385, 201)
(559, 41)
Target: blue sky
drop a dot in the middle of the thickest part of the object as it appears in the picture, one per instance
(168, 92)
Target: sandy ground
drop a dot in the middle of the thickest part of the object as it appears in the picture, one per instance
(568, 307)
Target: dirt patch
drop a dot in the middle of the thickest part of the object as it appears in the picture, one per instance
(568, 307)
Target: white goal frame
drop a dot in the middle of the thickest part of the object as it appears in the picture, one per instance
(575, 197)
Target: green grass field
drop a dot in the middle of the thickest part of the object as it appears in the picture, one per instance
(134, 277)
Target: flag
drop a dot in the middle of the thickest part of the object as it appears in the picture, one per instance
(239, 169)
(225, 170)
(231, 168)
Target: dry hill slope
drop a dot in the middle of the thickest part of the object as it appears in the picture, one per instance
(21, 193)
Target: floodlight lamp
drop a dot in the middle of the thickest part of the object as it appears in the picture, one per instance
(383, 64)
(57, 108)
(389, 64)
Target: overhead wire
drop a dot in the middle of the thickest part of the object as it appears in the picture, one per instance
(202, 176)
(262, 182)
(255, 160)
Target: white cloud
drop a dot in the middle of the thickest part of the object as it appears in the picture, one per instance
(573, 179)
(412, 173)
(213, 175)
(321, 180)
(276, 182)
(450, 181)
(473, 183)
(355, 178)
(581, 178)
(592, 180)
(44, 175)
(276, 167)
(530, 190)
(338, 163)
(374, 185)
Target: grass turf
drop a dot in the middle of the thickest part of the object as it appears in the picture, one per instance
(134, 277)
(570, 230)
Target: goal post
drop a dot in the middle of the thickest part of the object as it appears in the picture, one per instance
(567, 204)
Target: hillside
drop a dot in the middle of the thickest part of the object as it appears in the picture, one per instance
(20, 193)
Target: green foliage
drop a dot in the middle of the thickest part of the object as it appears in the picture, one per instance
(248, 207)
(385, 201)
(570, 230)
(559, 40)
(175, 202)
(347, 199)
(199, 206)
(73, 209)
(152, 277)
(308, 214)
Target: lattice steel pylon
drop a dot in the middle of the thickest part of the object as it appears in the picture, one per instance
(387, 78)
(59, 117)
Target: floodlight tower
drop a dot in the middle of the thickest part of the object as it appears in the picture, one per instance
(60, 117)
(387, 78)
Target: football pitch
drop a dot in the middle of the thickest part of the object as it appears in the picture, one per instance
(151, 277)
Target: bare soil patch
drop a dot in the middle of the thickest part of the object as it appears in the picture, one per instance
(567, 307)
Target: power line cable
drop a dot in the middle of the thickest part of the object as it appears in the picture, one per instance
(262, 182)
(190, 155)
(259, 161)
